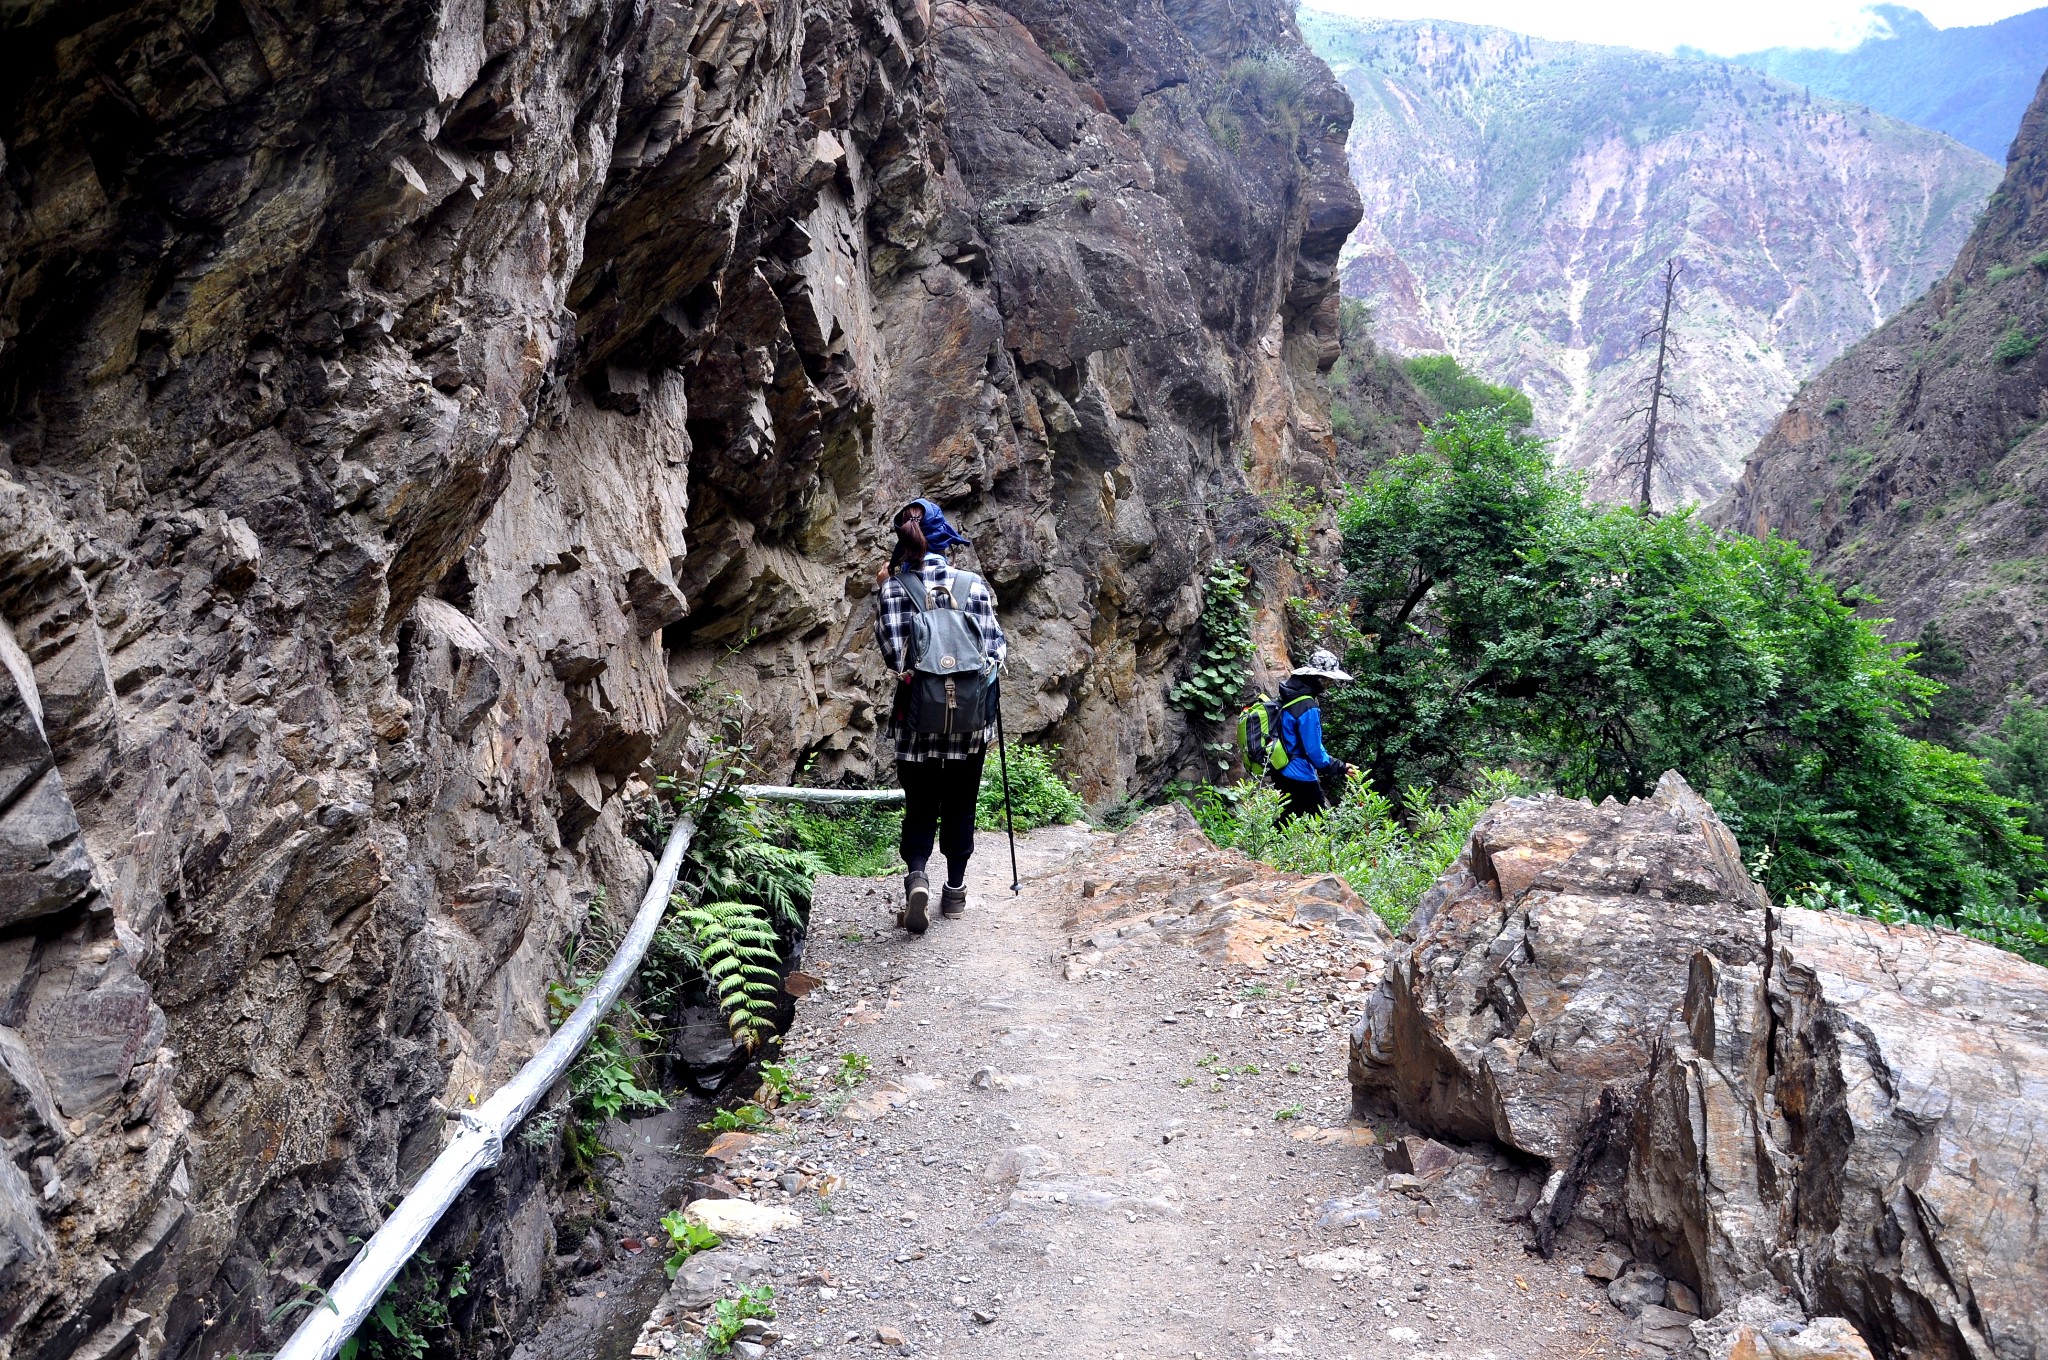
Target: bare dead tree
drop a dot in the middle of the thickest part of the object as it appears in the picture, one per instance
(1657, 389)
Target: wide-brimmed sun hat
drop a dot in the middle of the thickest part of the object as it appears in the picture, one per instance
(1323, 662)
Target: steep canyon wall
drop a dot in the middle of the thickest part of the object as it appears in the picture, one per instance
(412, 420)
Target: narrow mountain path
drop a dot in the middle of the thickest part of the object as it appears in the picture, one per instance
(1134, 1162)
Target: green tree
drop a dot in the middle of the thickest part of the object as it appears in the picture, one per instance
(1596, 647)
(2017, 759)
(1444, 381)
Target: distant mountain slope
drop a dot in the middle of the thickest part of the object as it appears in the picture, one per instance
(1521, 197)
(1916, 466)
(1972, 83)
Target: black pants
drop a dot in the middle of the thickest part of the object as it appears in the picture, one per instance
(938, 802)
(1303, 796)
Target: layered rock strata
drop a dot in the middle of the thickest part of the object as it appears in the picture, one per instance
(1913, 467)
(414, 419)
(1760, 1101)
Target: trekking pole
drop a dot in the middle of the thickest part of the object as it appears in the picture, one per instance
(1003, 762)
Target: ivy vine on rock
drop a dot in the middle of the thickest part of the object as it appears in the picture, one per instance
(1212, 692)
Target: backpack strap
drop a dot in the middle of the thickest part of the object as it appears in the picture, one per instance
(914, 587)
(1298, 705)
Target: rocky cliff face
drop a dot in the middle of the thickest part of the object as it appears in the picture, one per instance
(1790, 1112)
(1522, 197)
(1914, 466)
(415, 418)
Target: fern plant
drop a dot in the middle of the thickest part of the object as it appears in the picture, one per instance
(735, 947)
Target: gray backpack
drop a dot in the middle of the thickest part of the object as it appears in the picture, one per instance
(949, 684)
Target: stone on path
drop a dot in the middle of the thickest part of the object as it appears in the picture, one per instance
(740, 1218)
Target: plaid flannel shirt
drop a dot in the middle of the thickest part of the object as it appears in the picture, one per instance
(893, 623)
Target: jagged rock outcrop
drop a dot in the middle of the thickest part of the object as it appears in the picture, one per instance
(1522, 198)
(1913, 467)
(413, 419)
(1758, 1100)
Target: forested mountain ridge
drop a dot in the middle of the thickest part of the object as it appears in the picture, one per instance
(1522, 197)
(1916, 466)
(1971, 82)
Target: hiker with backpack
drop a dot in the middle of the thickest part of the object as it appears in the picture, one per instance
(1284, 736)
(938, 632)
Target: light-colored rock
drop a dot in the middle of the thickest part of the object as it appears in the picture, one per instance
(741, 1219)
(1755, 1099)
(1884, 1089)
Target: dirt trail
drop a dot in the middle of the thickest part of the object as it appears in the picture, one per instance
(1038, 1166)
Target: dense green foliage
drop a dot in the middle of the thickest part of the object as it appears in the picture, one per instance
(1444, 381)
(2016, 761)
(411, 1315)
(1038, 796)
(858, 841)
(1215, 687)
(1592, 648)
(1388, 855)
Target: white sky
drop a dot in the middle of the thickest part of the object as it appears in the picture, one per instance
(1720, 26)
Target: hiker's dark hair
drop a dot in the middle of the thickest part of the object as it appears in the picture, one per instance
(910, 548)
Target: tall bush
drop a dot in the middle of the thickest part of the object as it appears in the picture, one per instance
(1593, 647)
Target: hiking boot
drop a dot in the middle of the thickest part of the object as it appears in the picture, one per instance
(952, 902)
(916, 916)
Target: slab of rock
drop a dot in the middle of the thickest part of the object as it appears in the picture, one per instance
(740, 1219)
(1865, 1118)
(1423, 1157)
(1637, 1290)
(1162, 882)
(1758, 1101)
(1541, 971)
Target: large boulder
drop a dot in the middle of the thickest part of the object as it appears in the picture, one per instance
(1838, 1115)
(1864, 1119)
(1544, 963)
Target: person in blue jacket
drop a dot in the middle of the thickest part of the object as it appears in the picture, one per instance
(1301, 734)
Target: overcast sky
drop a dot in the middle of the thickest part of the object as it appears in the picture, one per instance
(1720, 26)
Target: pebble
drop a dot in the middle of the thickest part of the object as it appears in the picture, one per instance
(1606, 1265)
(889, 1336)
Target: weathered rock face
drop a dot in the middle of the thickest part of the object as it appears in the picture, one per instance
(1758, 1100)
(1541, 971)
(1913, 466)
(411, 419)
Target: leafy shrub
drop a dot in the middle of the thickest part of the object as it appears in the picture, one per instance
(856, 840)
(1342, 422)
(687, 1239)
(729, 1317)
(2040, 262)
(1595, 647)
(1999, 273)
(737, 951)
(1216, 686)
(410, 1314)
(608, 1078)
(2016, 759)
(1038, 796)
(1444, 381)
(1389, 856)
(2014, 346)
(1226, 129)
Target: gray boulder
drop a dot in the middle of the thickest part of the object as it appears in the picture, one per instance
(1763, 1102)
